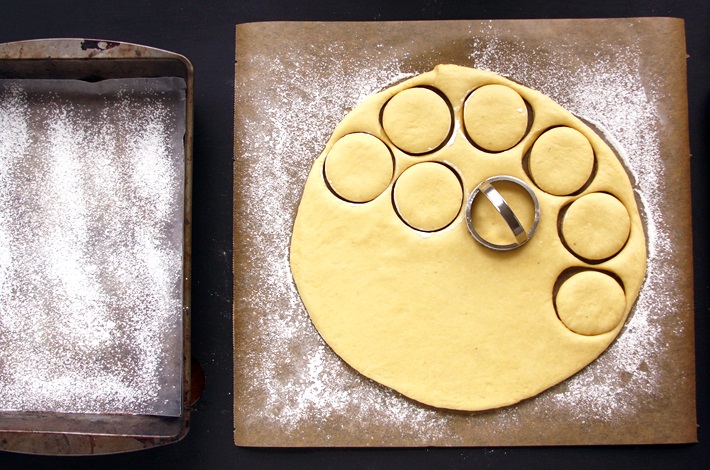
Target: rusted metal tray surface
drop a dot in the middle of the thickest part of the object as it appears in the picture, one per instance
(113, 72)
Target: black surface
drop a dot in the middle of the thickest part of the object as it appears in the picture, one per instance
(204, 32)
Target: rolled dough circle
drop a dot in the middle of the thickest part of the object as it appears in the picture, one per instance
(359, 167)
(596, 226)
(590, 303)
(433, 314)
(417, 120)
(561, 161)
(428, 196)
(495, 117)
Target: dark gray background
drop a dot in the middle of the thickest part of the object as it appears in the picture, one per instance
(204, 32)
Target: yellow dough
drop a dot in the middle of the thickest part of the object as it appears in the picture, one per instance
(561, 161)
(359, 167)
(495, 117)
(428, 196)
(590, 303)
(596, 226)
(434, 314)
(417, 120)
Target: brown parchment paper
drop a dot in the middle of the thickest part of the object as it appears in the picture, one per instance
(295, 81)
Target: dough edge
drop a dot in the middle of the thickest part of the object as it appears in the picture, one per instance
(441, 78)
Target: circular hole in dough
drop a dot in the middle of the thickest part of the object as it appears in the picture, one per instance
(561, 161)
(428, 196)
(590, 303)
(596, 226)
(417, 120)
(359, 167)
(495, 117)
(488, 222)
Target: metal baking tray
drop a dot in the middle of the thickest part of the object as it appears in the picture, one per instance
(76, 433)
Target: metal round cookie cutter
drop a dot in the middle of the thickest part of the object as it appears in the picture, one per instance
(500, 204)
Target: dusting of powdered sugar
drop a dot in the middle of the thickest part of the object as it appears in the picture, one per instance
(91, 198)
(287, 377)
(610, 94)
(294, 376)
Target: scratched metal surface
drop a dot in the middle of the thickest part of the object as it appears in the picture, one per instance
(102, 427)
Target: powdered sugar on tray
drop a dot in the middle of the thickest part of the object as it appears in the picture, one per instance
(91, 202)
(294, 377)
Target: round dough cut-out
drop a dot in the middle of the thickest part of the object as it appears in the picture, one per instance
(417, 120)
(359, 167)
(430, 312)
(596, 226)
(428, 196)
(561, 161)
(590, 303)
(495, 117)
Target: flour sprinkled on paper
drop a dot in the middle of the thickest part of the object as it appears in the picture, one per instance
(610, 94)
(294, 378)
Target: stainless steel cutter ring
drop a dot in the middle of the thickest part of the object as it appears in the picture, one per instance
(500, 204)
